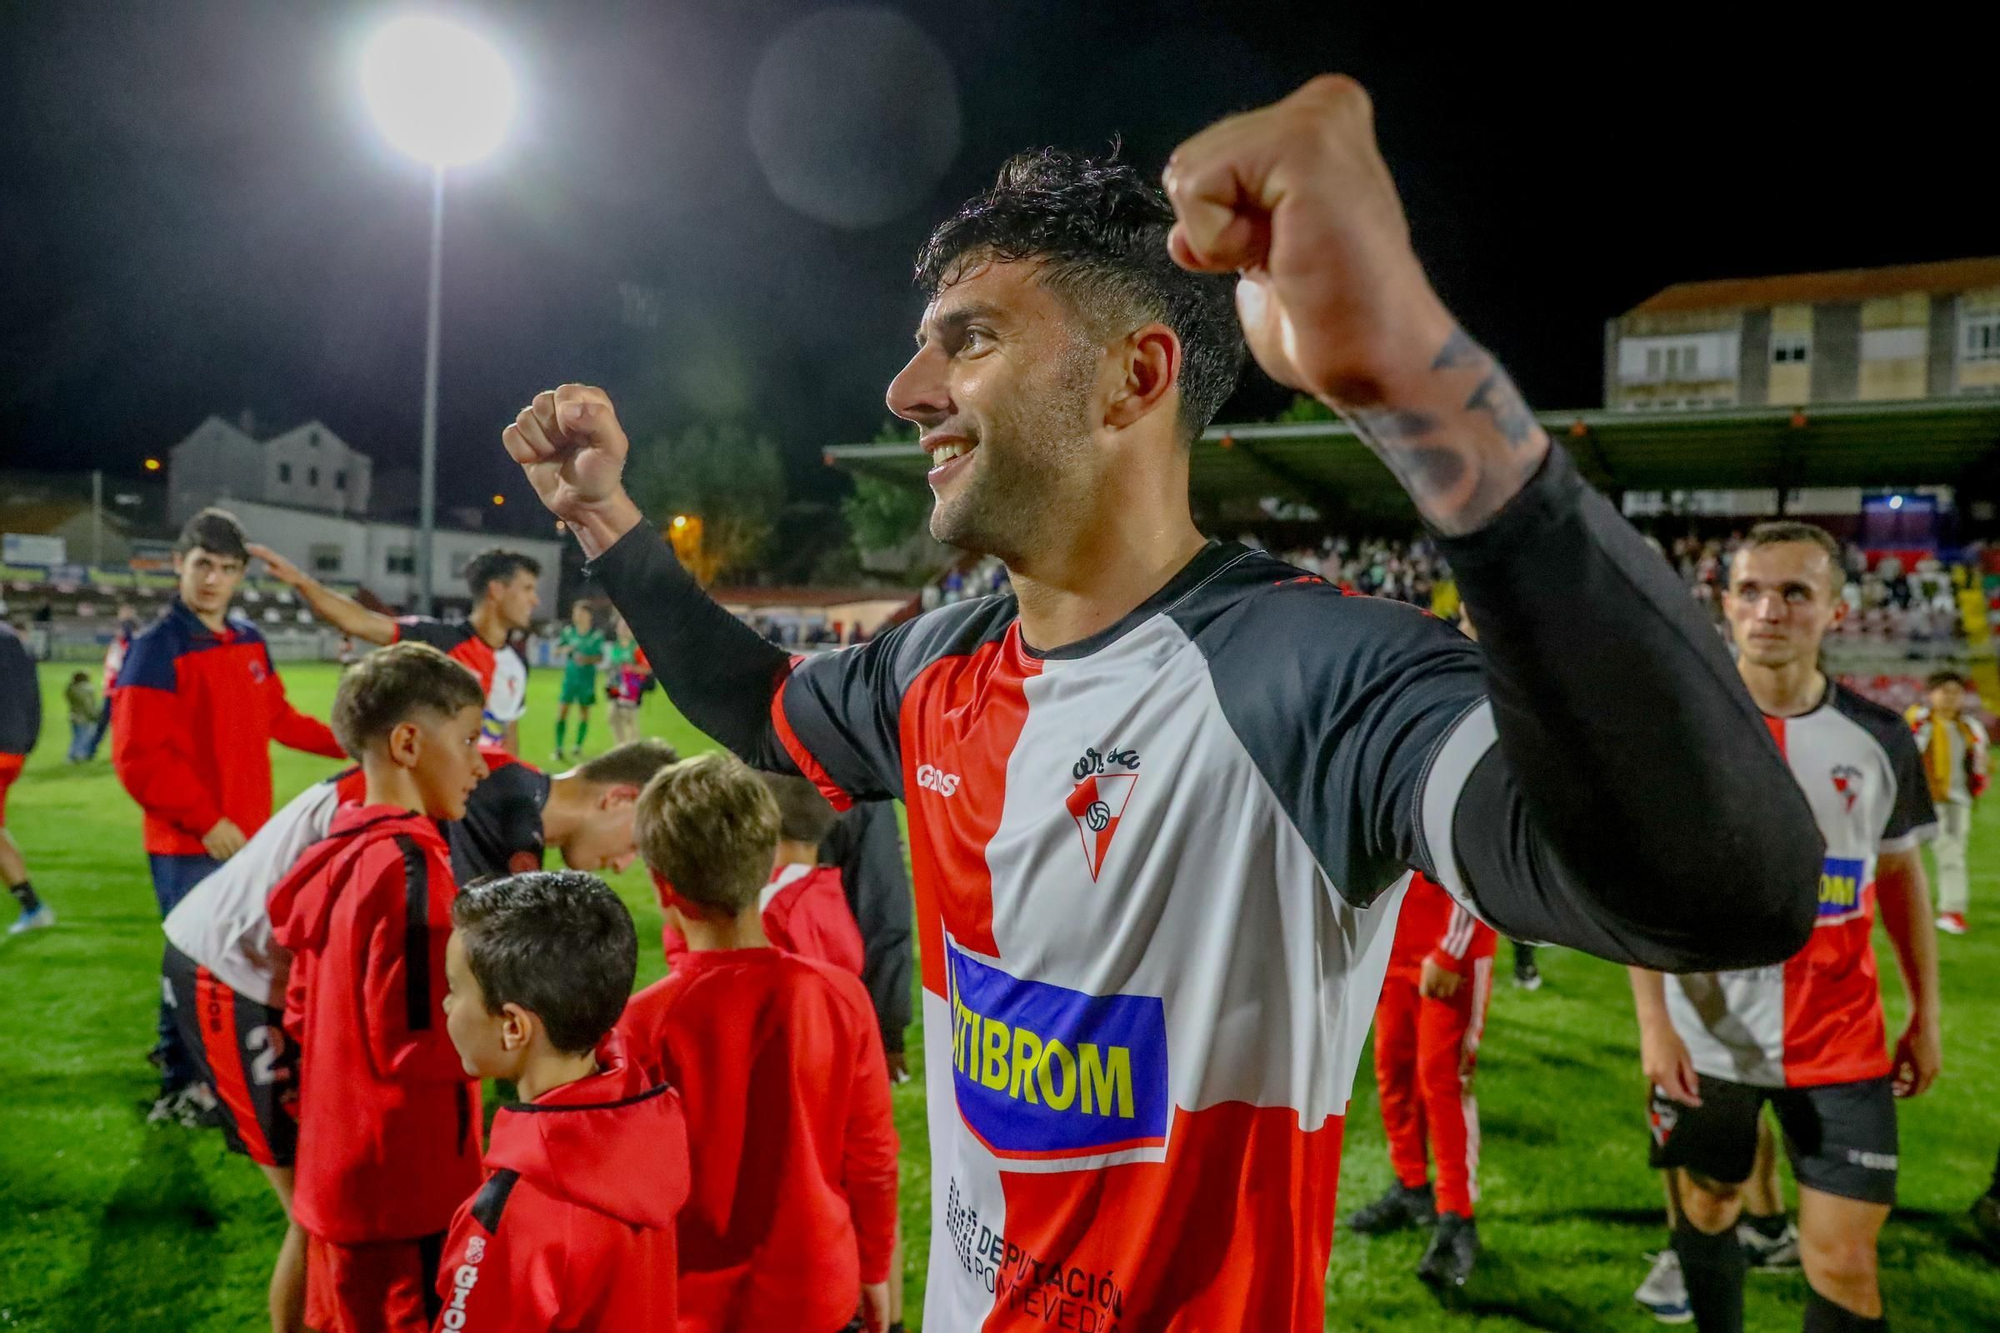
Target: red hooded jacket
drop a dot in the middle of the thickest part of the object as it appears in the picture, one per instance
(804, 911)
(193, 718)
(388, 1120)
(574, 1227)
(780, 1069)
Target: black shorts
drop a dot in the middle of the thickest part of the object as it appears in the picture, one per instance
(1841, 1137)
(240, 1049)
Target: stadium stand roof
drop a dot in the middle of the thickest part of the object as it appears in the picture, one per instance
(1852, 284)
(1951, 442)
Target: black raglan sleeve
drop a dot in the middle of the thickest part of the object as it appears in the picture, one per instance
(1618, 790)
(719, 672)
(831, 716)
(1593, 773)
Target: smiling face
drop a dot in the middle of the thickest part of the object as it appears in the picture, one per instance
(1781, 601)
(1004, 387)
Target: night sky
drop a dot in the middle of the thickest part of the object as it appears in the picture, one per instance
(197, 216)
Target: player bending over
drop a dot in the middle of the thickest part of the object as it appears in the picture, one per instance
(1164, 797)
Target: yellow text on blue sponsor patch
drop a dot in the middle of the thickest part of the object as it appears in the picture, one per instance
(1029, 1066)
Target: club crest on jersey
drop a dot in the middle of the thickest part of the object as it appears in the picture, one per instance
(1104, 785)
(257, 672)
(1847, 781)
(1045, 1072)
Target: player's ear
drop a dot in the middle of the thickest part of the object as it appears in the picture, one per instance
(1149, 362)
(405, 744)
(517, 1027)
(616, 795)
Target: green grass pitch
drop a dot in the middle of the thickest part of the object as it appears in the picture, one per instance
(105, 1223)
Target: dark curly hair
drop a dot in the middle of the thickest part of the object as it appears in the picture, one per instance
(1100, 229)
(559, 943)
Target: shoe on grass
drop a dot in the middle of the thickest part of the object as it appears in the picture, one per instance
(41, 918)
(1664, 1293)
(1398, 1210)
(1454, 1249)
(1768, 1254)
(1952, 923)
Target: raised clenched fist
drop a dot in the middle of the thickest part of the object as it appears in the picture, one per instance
(1295, 198)
(570, 444)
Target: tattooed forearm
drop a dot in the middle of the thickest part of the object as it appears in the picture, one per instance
(1460, 455)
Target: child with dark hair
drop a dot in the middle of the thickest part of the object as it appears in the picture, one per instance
(791, 1220)
(574, 1227)
(388, 1142)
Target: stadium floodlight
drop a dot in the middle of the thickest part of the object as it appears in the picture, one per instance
(444, 95)
(439, 92)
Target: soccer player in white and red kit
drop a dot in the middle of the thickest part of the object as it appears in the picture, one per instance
(1428, 1026)
(1807, 1036)
(1165, 795)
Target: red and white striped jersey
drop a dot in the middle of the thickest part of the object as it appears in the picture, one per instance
(1817, 1018)
(1156, 879)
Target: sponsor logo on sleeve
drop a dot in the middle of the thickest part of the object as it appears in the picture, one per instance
(1042, 1071)
(1842, 884)
(932, 778)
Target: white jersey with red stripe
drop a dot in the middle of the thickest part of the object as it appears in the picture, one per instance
(1155, 903)
(1817, 1018)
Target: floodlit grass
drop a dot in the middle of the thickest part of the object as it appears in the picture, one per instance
(105, 1223)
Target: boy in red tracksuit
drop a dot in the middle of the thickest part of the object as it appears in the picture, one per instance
(1427, 1030)
(791, 1219)
(804, 906)
(196, 706)
(574, 1227)
(388, 1121)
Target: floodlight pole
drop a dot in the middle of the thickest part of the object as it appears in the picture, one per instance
(427, 487)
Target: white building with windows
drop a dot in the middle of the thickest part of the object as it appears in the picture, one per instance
(352, 552)
(1906, 331)
(308, 467)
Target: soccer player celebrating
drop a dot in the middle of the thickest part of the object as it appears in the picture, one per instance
(197, 706)
(1806, 1037)
(20, 728)
(1954, 747)
(1165, 796)
(505, 586)
(583, 650)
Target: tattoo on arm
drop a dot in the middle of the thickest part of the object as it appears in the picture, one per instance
(1451, 463)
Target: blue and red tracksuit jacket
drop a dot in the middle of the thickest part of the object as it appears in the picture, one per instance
(192, 724)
